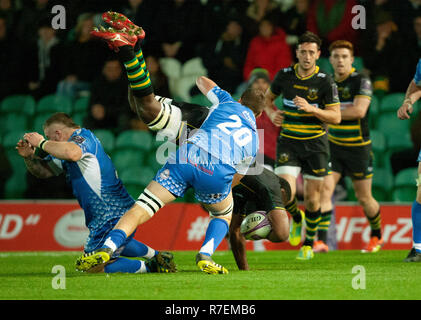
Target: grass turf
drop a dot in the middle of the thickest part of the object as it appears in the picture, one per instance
(274, 275)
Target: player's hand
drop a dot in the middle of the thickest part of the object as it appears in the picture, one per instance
(303, 105)
(277, 117)
(404, 112)
(34, 138)
(24, 149)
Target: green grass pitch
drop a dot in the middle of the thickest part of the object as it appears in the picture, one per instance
(274, 275)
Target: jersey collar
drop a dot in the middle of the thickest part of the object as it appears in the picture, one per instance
(316, 70)
(351, 72)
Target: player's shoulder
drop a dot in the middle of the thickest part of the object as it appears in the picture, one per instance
(285, 72)
(84, 138)
(323, 76)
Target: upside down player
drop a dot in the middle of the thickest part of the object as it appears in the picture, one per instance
(350, 146)
(207, 168)
(413, 94)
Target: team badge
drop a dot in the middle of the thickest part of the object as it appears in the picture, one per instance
(346, 94)
(283, 157)
(312, 94)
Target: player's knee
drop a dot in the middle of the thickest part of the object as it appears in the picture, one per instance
(225, 213)
(168, 121)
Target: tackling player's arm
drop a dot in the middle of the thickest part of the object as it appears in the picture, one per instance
(63, 150)
(205, 84)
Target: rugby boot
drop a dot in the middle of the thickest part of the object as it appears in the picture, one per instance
(374, 245)
(295, 230)
(115, 39)
(93, 259)
(413, 256)
(206, 264)
(120, 22)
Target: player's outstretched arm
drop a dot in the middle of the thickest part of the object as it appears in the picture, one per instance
(413, 94)
(205, 84)
(238, 243)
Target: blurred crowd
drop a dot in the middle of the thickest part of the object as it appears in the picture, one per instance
(231, 38)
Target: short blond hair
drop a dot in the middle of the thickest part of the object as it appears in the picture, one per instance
(62, 118)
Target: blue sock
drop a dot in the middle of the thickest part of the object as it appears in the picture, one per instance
(115, 239)
(135, 248)
(217, 229)
(416, 225)
(125, 265)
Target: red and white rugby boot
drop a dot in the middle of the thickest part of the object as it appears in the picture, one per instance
(115, 39)
(120, 22)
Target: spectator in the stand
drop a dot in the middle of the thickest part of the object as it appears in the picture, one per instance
(143, 13)
(85, 56)
(331, 20)
(294, 21)
(108, 106)
(178, 29)
(268, 50)
(32, 13)
(5, 170)
(44, 64)
(259, 79)
(8, 11)
(381, 50)
(218, 13)
(259, 10)
(224, 58)
(407, 158)
(414, 44)
(10, 61)
(158, 78)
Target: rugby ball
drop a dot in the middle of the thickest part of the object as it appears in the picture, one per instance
(256, 226)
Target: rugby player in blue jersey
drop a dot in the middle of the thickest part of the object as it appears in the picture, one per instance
(413, 94)
(224, 146)
(95, 184)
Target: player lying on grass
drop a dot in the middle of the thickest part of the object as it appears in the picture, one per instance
(413, 94)
(206, 164)
(99, 191)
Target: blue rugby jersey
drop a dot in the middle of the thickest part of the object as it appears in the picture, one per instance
(95, 183)
(417, 77)
(229, 132)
